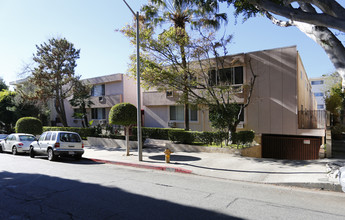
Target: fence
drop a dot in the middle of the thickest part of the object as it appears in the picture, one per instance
(313, 119)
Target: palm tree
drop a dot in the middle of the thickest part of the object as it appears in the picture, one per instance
(179, 13)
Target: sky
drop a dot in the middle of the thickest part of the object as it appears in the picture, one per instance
(90, 25)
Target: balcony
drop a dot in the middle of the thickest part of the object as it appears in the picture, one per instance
(313, 119)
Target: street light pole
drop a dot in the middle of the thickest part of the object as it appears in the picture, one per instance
(140, 144)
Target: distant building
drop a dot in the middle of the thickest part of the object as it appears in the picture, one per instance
(320, 86)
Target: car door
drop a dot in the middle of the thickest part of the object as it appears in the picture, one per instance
(40, 142)
(7, 143)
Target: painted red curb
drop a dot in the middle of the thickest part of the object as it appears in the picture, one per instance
(146, 166)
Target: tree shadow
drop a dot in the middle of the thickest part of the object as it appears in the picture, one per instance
(175, 158)
(36, 196)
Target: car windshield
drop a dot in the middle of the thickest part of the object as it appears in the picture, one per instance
(26, 138)
(3, 136)
(69, 137)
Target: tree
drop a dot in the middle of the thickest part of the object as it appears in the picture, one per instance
(26, 106)
(3, 85)
(54, 75)
(335, 102)
(7, 110)
(321, 20)
(124, 114)
(206, 86)
(81, 99)
(196, 13)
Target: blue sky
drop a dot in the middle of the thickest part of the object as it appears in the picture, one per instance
(90, 26)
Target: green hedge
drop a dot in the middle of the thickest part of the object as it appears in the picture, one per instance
(30, 125)
(155, 133)
(83, 132)
(183, 137)
(243, 137)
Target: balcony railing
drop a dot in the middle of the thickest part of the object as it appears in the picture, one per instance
(313, 119)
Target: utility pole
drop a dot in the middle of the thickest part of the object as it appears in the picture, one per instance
(140, 144)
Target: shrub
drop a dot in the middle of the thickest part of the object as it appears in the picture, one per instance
(243, 137)
(337, 131)
(181, 136)
(205, 137)
(29, 125)
(155, 133)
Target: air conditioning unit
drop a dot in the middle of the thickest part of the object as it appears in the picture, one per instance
(101, 99)
(240, 125)
(172, 124)
(103, 122)
(169, 93)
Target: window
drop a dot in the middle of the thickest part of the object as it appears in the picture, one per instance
(54, 137)
(177, 113)
(227, 76)
(98, 90)
(318, 93)
(49, 134)
(317, 82)
(321, 106)
(98, 113)
(69, 137)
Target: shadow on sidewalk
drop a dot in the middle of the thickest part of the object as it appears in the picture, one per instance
(175, 158)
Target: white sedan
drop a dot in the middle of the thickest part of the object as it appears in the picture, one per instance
(17, 143)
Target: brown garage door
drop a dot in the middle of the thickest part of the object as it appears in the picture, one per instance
(290, 147)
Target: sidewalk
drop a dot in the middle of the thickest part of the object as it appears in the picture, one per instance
(308, 174)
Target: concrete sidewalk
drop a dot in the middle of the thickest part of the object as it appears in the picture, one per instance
(309, 174)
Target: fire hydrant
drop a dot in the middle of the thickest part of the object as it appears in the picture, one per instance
(167, 153)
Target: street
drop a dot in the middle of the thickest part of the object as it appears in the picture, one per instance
(69, 189)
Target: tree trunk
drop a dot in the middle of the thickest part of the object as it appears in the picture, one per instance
(185, 89)
(127, 140)
(329, 42)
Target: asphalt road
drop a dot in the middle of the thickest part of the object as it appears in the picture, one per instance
(68, 189)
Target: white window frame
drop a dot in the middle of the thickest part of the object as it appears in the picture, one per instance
(190, 113)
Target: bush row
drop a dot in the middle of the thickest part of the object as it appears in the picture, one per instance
(177, 135)
(83, 132)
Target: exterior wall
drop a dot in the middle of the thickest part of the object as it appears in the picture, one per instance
(306, 99)
(278, 93)
(273, 108)
(115, 87)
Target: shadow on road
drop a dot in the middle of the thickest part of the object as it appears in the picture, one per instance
(36, 196)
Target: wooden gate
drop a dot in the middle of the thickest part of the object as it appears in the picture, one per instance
(290, 147)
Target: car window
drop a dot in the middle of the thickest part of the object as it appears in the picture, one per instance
(54, 137)
(69, 137)
(26, 138)
(2, 136)
(47, 138)
(42, 137)
(9, 137)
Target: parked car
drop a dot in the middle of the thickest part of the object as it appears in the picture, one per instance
(17, 143)
(58, 143)
(3, 136)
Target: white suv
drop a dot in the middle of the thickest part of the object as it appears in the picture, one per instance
(57, 143)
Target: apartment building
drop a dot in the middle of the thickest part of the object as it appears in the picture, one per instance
(106, 92)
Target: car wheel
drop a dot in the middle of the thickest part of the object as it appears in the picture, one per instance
(32, 152)
(51, 155)
(14, 150)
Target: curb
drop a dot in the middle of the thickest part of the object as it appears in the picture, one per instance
(146, 166)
